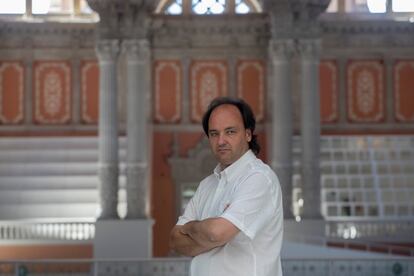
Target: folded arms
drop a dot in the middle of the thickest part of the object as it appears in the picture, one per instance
(196, 237)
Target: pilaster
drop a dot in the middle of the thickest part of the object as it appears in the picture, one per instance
(138, 132)
(291, 21)
(309, 51)
(280, 54)
(107, 52)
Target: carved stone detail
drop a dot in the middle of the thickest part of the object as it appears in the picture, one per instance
(123, 19)
(295, 18)
(308, 10)
(281, 49)
(234, 31)
(281, 17)
(330, 25)
(309, 48)
(137, 49)
(108, 176)
(137, 174)
(107, 50)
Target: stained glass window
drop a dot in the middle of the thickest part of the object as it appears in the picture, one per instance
(209, 6)
(175, 8)
(203, 7)
(242, 7)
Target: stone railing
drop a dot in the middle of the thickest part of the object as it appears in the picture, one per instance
(47, 230)
(359, 245)
(388, 230)
(180, 267)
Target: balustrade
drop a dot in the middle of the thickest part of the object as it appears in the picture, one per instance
(38, 230)
(180, 267)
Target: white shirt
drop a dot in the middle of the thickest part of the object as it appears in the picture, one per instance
(248, 194)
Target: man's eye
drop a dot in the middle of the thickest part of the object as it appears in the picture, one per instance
(231, 131)
(213, 134)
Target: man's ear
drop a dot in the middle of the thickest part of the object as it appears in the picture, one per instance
(248, 135)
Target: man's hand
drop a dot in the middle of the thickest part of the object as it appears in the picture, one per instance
(196, 237)
(184, 244)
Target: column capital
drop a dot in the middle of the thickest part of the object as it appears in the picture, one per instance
(295, 18)
(309, 48)
(136, 49)
(122, 19)
(107, 50)
(281, 49)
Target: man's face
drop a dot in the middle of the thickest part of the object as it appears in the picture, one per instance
(227, 135)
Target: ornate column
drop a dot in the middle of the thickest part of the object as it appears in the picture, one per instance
(138, 140)
(309, 50)
(107, 51)
(126, 21)
(280, 54)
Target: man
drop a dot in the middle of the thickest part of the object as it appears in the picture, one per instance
(233, 225)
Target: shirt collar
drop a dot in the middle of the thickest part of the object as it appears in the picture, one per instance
(232, 171)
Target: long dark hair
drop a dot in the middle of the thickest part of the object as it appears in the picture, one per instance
(246, 112)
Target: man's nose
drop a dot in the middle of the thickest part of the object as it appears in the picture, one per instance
(221, 139)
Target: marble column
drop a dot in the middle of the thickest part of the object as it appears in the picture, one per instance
(107, 52)
(309, 51)
(138, 127)
(280, 54)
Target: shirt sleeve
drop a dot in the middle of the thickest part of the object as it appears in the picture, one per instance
(252, 204)
(190, 212)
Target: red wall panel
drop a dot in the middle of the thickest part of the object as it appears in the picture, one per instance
(89, 91)
(208, 80)
(52, 92)
(251, 85)
(168, 91)
(404, 90)
(365, 91)
(328, 81)
(11, 92)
